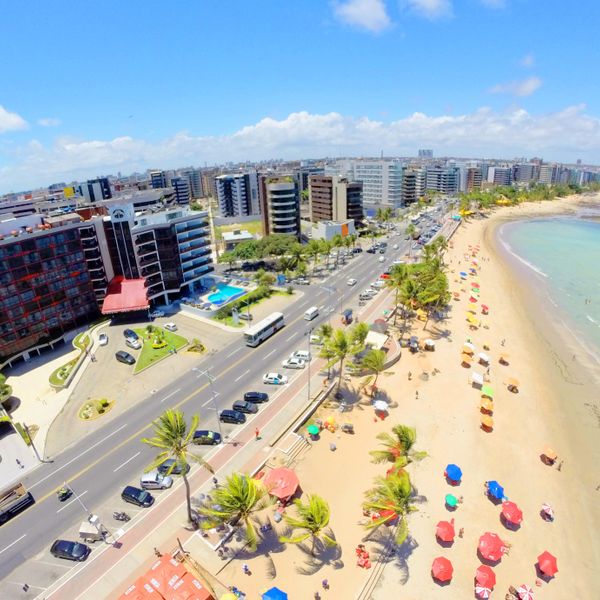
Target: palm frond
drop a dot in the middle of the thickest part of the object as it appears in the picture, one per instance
(294, 540)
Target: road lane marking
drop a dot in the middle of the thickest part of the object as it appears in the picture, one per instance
(215, 394)
(171, 394)
(71, 502)
(11, 545)
(75, 458)
(292, 336)
(127, 461)
(232, 353)
(242, 375)
(270, 353)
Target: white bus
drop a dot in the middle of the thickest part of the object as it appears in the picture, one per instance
(263, 329)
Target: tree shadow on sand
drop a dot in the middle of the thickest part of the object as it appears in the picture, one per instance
(319, 556)
(384, 550)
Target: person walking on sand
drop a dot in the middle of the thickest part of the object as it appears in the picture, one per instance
(416, 394)
(246, 569)
(502, 342)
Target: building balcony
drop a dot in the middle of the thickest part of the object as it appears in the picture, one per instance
(149, 259)
(88, 233)
(144, 238)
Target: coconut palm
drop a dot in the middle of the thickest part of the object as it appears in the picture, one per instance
(393, 494)
(296, 255)
(398, 276)
(358, 335)
(325, 331)
(313, 519)
(313, 250)
(236, 501)
(374, 360)
(174, 439)
(400, 443)
(336, 349)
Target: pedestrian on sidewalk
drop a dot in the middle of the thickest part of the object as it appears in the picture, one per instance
(257, 434)
(157, 552)
(215, 482)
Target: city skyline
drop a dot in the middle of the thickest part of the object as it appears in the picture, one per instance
(346, 78)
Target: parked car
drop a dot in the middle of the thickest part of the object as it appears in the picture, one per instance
(275, 378)
(315, 340)
(293, 363)
(170, 326)
(257, 397)
(164, 467)
(137, 496)
(246, 316)
(130, 334)
(248, 408)
(232, 416)
(103, 339)
(356, 250)
(70, 550)
(205, 437)
(395, 246)
(301, 354)
(155, 481)
(135, 344)
(371, 250)
(124, 357)
(302, 281)
(351, 281)
(155, 314)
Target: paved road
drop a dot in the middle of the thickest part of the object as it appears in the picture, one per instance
(99, 466)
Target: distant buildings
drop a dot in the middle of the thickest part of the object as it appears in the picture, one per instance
(280, 204)
(499, 175)
(425, 153)
(158, 179)
(181, 185)
(194, 177)
(95, 189)
(413, 185)
(334, 198)
(238, 194)
(443, 179)
(474, 179)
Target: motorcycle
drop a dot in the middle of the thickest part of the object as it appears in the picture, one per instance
(64, 493)
(121, 516)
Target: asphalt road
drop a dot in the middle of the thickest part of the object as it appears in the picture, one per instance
(98, 467)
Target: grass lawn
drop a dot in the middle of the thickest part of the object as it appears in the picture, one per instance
(229, 320)
(149, 355)
(252, 227)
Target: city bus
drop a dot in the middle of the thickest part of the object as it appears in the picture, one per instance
(263, 329)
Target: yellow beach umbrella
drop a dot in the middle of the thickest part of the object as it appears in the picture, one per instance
(486, 404)
(487, 421)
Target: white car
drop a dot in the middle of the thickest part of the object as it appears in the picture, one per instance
(351, 282)
(293, 363)
(103, 339)
(155, 314)
(378, 284)
(301, 354)
(382, 259)
(315, 340)
(395, 246)
(275, 378)
(170, 326)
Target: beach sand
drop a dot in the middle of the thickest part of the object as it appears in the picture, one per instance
(556, 406)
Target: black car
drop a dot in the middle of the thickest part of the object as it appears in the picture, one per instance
(257, 397)
(371, 250)
(232, 416)
(130, 334)
(137, 496)
(164, 467)
(382, 250)
(70, 550)
(245, 407)
(204, 437)
(356, 250)
(124, 357)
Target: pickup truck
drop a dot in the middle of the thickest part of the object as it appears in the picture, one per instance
(13, 500)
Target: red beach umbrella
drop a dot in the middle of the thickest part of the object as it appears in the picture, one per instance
(485, 576)
(511, 512)
(442, 569)
(547, 563)
(485, 307)
(474, 284)
(491, 546)
(445, 531)
(472, 299)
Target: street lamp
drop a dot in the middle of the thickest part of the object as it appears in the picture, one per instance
(213, 395)
(309, 358)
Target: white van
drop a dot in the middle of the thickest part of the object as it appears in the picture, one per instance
(311, 313)
(301, 354)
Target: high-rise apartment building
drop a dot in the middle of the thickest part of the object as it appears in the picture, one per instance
(280, 204)
(302, 175)
(237, 194)
(500, 175)
(95, 189)
(444, 179)
(194, 177)
(209, 187)
(524, 172)
(413, 185)
(158, 179)
(545, 174)
(474, 179)
(333, 198)
(425, 153)
(382, 182)
(181, 185)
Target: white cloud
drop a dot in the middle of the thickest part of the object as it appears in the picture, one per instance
(524, 87)
(49, 122)
(494, 3)
(564, 135)
(528, 60)
(366, 14)
(10, 121)
(432, 9)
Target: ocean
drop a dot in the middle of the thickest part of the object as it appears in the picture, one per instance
(563, 254)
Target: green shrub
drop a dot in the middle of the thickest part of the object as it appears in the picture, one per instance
(290, 290)
(22, 432)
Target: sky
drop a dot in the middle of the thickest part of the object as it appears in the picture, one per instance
(92, 88)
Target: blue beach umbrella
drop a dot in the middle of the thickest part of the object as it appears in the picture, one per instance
(463, 274)
(453, 472)
(495, 490)
(274, 594)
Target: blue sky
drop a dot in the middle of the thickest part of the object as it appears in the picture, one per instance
(90, 88)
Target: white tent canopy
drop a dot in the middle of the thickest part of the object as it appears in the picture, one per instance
(376, 340)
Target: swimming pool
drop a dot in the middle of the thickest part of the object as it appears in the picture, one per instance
(225, 293)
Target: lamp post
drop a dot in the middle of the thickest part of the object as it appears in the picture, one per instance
(213, 395)
(308, 365)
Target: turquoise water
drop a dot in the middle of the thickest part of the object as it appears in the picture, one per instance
(564, 254)
(225, 293)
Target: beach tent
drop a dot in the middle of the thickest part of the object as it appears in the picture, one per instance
(380, 405)
(468, 348)
(491, 547)
(525, 592)
(512, 513)
(487, 390)
(444, 531)
(274, 594)
(549, 455)
(484, 358)
(453, 472)
(503, 358)
(495, 489)
(442, 569)
(486, 404)
(485, 576)
(466, 359)
(547, 564)
(476, 378)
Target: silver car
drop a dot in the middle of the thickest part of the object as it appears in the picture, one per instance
(155, 481)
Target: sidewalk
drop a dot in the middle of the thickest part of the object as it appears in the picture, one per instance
(133, 554)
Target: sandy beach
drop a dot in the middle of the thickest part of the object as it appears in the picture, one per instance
(556, 406)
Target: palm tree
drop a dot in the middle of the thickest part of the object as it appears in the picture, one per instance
(374, 360)
(174, 440)
(397, 445)
(325, 250)
(313, 518)
(336, 349)
(398, 276)
(325, 331)
(236, 501)
(358, 335)
(313, 249)
(296, 255)
(392, 493)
